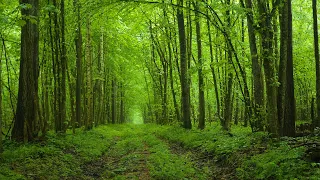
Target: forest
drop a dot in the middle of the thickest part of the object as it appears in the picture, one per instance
(159, 89)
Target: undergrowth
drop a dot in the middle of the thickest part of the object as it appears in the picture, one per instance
(252, 155)
(60, 156)
(127, 151)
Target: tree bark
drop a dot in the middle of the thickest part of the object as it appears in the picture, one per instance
(290, 113)
(27, 106)
(282, 96)
(258, 83)
(185, 89)
(229, 80)
(201, 112)
(269, 67)
(89, 91)
(78, 43)
(316, 122)
(287, 127)
(63, 71)
(114, 101)
(1, 119)
(214, 76)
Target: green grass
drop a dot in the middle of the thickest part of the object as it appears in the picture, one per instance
(59, 156)
(256, 155)
(126, 151)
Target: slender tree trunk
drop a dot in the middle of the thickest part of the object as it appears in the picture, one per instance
(27, 105)
(114, 100)
(46, 107)
(258, 84)
(282, 96)
(202, 112)
(78, 43)
(229, 81)
(316, 122)
(1, 119)
(72, 102)
(312, 111)
(237, 111)
(57, 73)
(185, 88)
(215, 83)
(89, 92)
(122, 115)
(290, 114)
(63, 70)
(175, 104)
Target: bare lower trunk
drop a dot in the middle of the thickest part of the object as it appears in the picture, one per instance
(26, 118)
(185, 89)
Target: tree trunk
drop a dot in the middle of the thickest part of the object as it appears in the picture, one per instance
(89, 91)
(290, 113)
(185, 89)
(57, 72)
(27, 106)
(122, 112)
(78, 43)
(269, 67)
(316, 122)
(258, 84)
(63, 71)
(202, 112)
(282, 96)
(114, 100)
(174, 98)
(1, 119)
(229, 81)
(214, 76)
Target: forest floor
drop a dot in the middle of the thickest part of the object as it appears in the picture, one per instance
(159, 152)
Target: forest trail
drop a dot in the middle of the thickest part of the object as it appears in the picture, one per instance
(149, 151)
(126, 158)
(125, 151)
(138, 153)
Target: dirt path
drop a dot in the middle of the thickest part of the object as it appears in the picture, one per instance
(142, 155)
(126, 159)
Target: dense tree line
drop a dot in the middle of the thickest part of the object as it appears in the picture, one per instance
(196, 62)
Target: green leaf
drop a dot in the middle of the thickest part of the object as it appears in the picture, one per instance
(22, 22)
(25, 6)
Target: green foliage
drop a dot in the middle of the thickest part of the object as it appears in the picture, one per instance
(282, 162)
(212, 140)
(165, 165)
(125, 151)
(258, 156)
(59, 156)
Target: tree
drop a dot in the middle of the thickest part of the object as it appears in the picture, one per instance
(256, 70)
(185, 88)
(213, 71)
(78, 43)
(229, 80)
(25, 126)
(1, 117)
(266, 32)
(89, 78)
(282, 96)
(288, 128)
(114, 100)
(63, 69)
(316, 121)
(201, 87)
